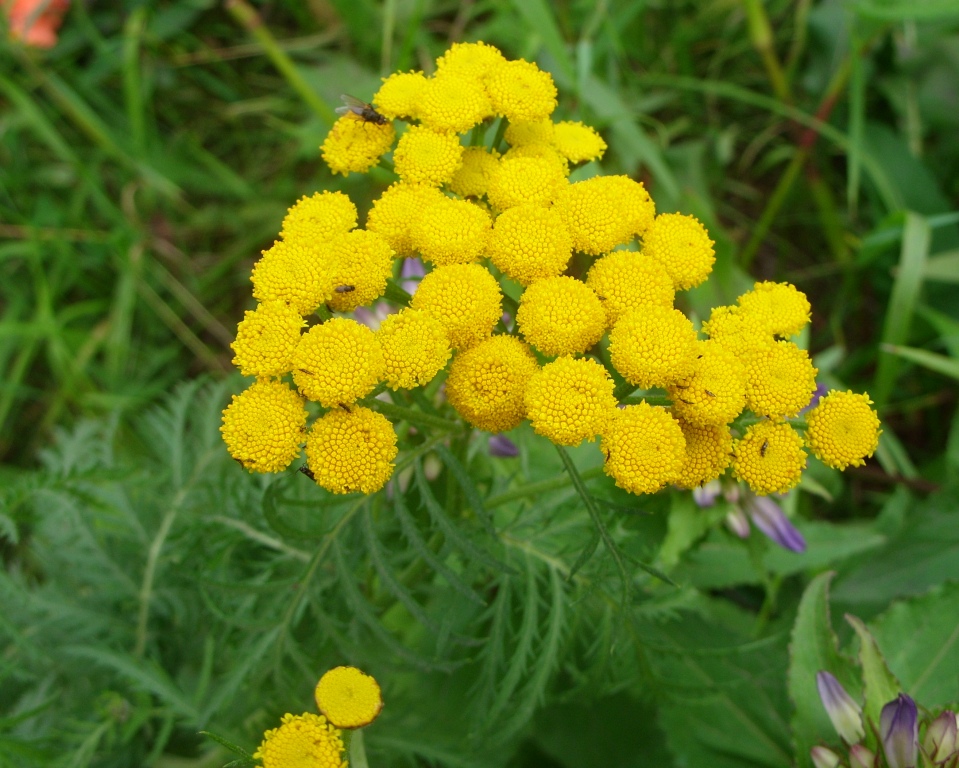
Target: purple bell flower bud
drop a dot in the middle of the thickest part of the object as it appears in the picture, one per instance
(942, 741)
(860, 757)
(706, 495)
(821, 390)
(844, 713)
(732, 493)
(768, 517)
(824, 758)
(412, 268)
(502, 447)
(738, 523)
(899, 731)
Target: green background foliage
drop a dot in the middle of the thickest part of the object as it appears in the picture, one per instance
(152, 590)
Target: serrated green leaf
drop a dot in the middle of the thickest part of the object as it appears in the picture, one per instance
(878, 684)
(234, 748)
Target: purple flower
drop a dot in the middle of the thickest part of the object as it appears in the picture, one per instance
(844, 713)
(706, 495)
(899, 730)
(769, 518)
(502, 447)
(412, 268)
(821, 390)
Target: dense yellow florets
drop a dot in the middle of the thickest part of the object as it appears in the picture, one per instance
(425, 156)
(533, 132)
(350, 450)
(299, 276)
(263, 426)
(708, 452)
(653, 346)
(682, 245)
(842, 430)
(560, 316)
(318, 218)
(603, 212)
(715, 392)
(487, 383)
(400, 94)
(471, 59)
(780, 380)
(570, 400)
(530, 242)
(355, 144)
(626, 280)
(362, 263)
(451, 232)
(644, 448)
(521, 91)
(302, 741)
(577, 142)
(338, 362)
(453, 103)
(784, 309)
(737, 331)
(545, 152)
(396, 209)
(266, 338)
(415, 348)
(348, 697)
(769, 458)
(465, 298)
(525, 180)
(472, 178)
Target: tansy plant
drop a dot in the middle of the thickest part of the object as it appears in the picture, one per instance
(593, 344)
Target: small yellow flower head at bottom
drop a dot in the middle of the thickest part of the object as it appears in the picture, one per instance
(715, 393)
(486, 383)
(320, 217)
(348, 697)
(682, 245)
(560, 316)
(784, 308)
(644, 448)
(355, 144)
(530, 242)
(570, 400)
(295, 274)
(472, 177)
(425, 156)
(521, 91)
(525, 180)
(769, 458)
(396, 209)
(453, 103)
(415, 348)
(653, 346)
(302, 741)
(338, 362)
(399, 95)
(578, 142)
(842, 429)
(626, 280)
(780, 380)
(263, 426)
(266, 339)
(708, 451)
(451, 232)
(351, 450)
(361, 263)
(465, 298)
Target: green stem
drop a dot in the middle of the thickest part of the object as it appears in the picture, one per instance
(500, 133)
(396, 294)
(537, 489)
(761, 35)
(358, 751)
(413, 416)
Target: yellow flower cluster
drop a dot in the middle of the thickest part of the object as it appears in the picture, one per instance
(483, 195)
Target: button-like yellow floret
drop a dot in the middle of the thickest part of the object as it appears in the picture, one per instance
(578, 142)
(740, 332)
(355, 144)
(399, 95)
(362, 263)
(570, 400)
(626, 280)
(644, 448)
(682, 245)
(521, 91)
(780, 379)
(783, 307)
(302, 740)
(266, 338)
(396, 209)
(451, 232)
(525, 180)
(348, 697)
(603, 212)
(534, 132)
(653, 346)
(415, 348)
(425, 156)
(338, 362)
(769, 458)
(263, 426)
(543, 152)
(470, 59)
(472, 178)
(715, 393)
(295, 274)
(465, 298)
(842, 430)
(453, 103)
(530, 242)
(351, 450)
(319, 217)
(560, 316)
(708, 452)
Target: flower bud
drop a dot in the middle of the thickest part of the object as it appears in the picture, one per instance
(899, 731)
(502, 447)
(738, 523)
(845, 714)
(769, 518)
(860, 757)
(706, 495)
(824, 758)
(941, 740)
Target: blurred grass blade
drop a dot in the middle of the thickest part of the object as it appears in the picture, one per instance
(947, 366)
(942, 268)
(902, 10)
(857, 119)
(539, 16)
(132, 82)
(236, 750)
(892, 456)
(902, 302)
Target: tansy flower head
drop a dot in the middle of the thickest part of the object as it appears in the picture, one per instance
(560, 316)
(740, 332)
(682, 245)
(533, 132)
(593, 211)
(400, 94)
(708, 451)
(319, 218)
(355, 144)
(302, 741)
(715, 393)
(453, 103)
(486, 383)
(465, 298)
(348, 698)
(529, 180)
(769, 457)
(472, 177)
(362, 261)
(842, 430)
(653, 346)
(337, 362)
(644, 448)
(780, 379)
(425, 156)
(577, 142)
(351, 450)
(626, 280)
(396, 209)
(521, 91)
(542, 152)
(783, 308)
(266, 338)
(637, 207)
(471, 59)
(529, 243)
(295, 274)
(451, 232)
(263, 426)
(569, 400)
(415, 348)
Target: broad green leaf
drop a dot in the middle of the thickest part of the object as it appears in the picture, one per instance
(687, 523)
(878, 684)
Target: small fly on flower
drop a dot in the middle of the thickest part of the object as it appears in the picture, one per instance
(763, 448)
(361, 109)
(345, 288)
